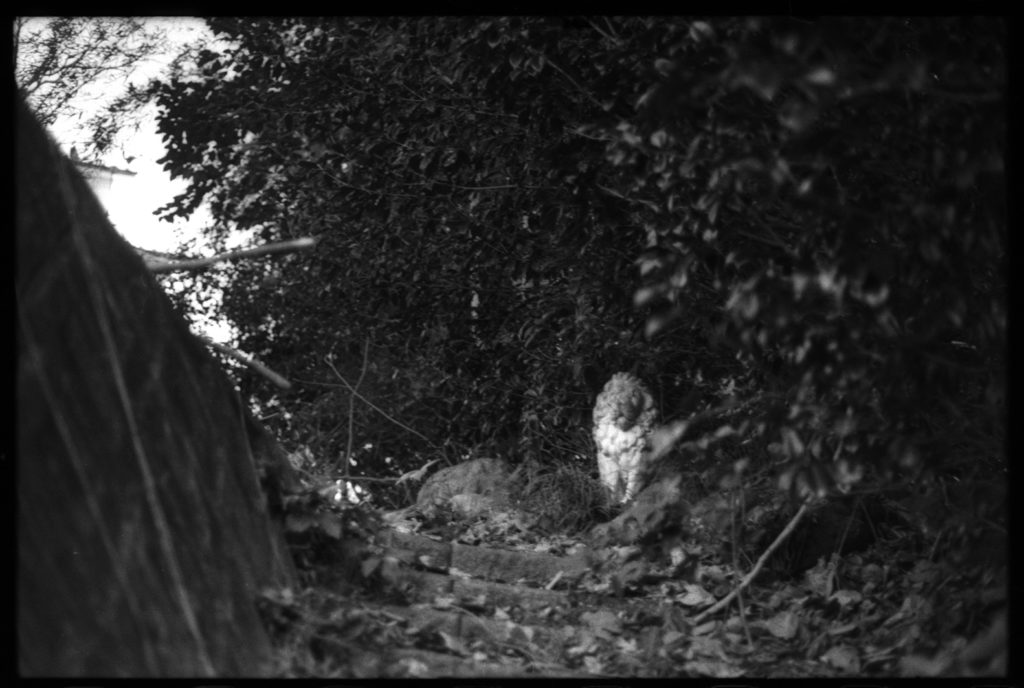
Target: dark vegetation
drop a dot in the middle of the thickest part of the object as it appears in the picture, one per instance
(798, 223)
(805, 213)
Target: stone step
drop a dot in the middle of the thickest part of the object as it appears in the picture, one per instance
(431, 568)
(537, 642)
(478, 647)
(427, 664)
(456, 594)
(508, 566)
(426, 585)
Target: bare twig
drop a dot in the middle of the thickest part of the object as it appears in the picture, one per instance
(369, 403)
(749, 578)
(736, 559)
(352, 410)
(764, 240)
(263, 370)
(159, 263)
(587, 94)
(606, 34)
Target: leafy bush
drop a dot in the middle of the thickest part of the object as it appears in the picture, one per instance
(817, 207)
(836, 188)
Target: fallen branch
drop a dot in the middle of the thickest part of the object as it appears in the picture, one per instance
(161, 263)
(749, 578)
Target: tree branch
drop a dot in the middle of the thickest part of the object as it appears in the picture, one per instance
(585, 92)
(263, 370)
(614, 39)
(749, 578)
(160, 263)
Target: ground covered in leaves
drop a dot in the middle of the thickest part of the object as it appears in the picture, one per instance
(906, 605)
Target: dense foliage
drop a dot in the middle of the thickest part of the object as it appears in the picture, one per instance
(838, 186)
(816, 209)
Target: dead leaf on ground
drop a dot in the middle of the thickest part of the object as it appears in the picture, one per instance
(443, 601)
(713, 668)
(602, 622)
(842, 629)
(917, 666)
(705, 628)
(845, 598)
(586, 643)
(696, 596)
(844, 658)
(453, 644)
(516, 633)
(671, 638)
(368, 566)
(707, 647)
(820, 579)
(783, 625)
(414, 668)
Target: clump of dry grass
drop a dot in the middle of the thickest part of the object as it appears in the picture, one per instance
(563, 496)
